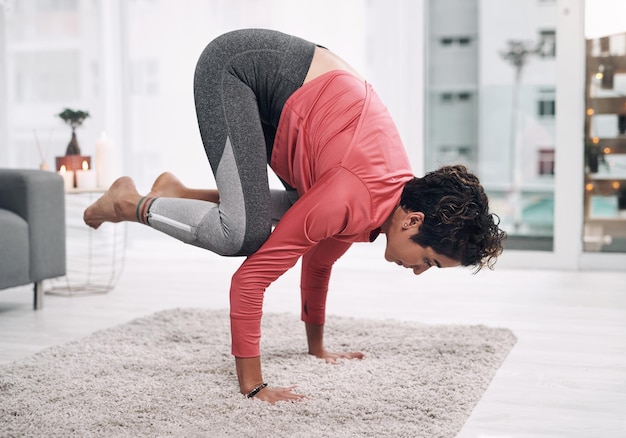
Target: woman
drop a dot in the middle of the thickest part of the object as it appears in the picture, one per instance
(266, 97)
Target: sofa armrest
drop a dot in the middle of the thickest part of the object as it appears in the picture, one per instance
(38, 197)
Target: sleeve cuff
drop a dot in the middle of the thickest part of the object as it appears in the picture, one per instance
(246, 337)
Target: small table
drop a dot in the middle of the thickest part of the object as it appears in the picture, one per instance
(95, 258)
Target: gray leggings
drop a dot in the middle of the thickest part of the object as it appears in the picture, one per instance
(242, 81)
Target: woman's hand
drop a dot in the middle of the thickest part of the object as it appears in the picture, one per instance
(315, 338)
(249, 375)
(332, 357)
(273, 395)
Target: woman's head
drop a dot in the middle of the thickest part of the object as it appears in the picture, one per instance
(456, 221)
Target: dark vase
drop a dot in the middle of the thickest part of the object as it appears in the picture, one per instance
(72, 147)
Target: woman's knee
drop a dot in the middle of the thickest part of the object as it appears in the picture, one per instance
(254, 239)
(231, 244)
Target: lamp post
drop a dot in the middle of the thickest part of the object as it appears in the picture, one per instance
(517, 54)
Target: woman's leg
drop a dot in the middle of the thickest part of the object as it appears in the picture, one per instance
(242, 81)
(120, 202)
(168, 185)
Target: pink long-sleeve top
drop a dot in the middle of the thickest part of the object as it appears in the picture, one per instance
(337, 145)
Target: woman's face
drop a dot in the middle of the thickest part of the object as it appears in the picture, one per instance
(402, 251)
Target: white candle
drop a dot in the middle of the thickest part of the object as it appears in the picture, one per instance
(68, 177)
(106, 161)
(86, 178)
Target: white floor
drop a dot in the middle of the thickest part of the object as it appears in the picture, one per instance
(566, 377)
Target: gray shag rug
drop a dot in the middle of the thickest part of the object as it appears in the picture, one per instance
(171, 374)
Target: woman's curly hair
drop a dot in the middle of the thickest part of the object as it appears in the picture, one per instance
(457, 222)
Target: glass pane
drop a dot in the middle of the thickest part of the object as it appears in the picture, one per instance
(51, 51)
(491, 81)
(43, 76)
(605, 127)
(37, 20)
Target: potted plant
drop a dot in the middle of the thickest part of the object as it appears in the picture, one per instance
(75, 119)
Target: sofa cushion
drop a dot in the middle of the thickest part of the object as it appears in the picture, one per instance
(14, 256)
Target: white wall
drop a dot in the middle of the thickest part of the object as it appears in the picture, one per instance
(164, 133)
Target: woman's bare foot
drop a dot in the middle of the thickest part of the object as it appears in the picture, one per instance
(116, 205)
(167, 185)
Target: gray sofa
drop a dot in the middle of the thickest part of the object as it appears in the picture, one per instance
(32, 229)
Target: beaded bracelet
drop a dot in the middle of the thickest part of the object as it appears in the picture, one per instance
(256, 390)
(138, 209)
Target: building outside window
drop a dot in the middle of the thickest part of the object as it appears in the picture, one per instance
(547, 43)
(545, 160)
(499, 108)
(455, 41)
(546, 104)
(546, 108)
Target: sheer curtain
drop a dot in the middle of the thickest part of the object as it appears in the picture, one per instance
(130, 64)
(163, 42)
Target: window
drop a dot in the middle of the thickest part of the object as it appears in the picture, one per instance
(463, 96)
(546, 107)
(446, 97)
(457, 154)
(546, 161)
(463, 41)
(547, 44)
(42, 76)
(145, 77)
(57, 5)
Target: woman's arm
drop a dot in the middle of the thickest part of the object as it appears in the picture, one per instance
(316, 270)
(249, 375)
(321, 213)
(315, 338)
(317, 266)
